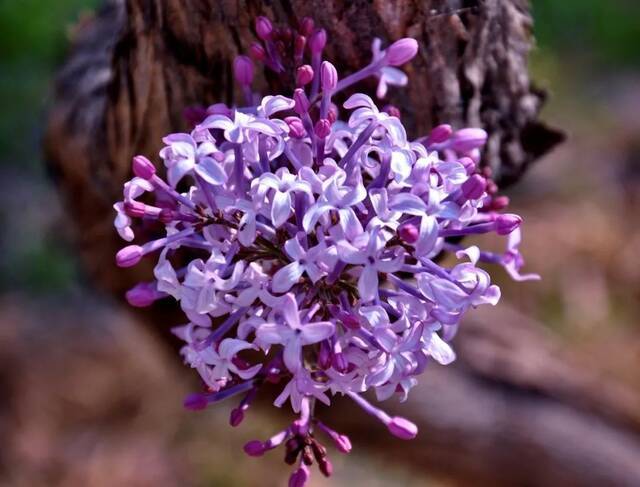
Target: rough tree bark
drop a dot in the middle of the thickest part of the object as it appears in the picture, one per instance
(539, 420)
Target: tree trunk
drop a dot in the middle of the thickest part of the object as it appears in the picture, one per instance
(512, 411)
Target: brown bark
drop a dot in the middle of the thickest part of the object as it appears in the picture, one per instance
(512, 411)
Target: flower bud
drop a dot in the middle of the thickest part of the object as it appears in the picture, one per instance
(340, 362)
(468, 164)
(465, 140)
(257, 52)
(408, 233)
(317, 41)
(328, 76)
(440, 134)
(236, 417)
(325, 466)
(254, 448)
(264, 28)
(243, 70)
(473, 188)
(351, 321)
(402, 428)
(296, 127)
(342, 442)
(129, 256)
(219, 109)
(322, 128)
(141, 295)
(135, 209)
(507, 223)
(300, 477)
(143, 167)
(304, 75)
(306, 26)
(196, 402)
(401, 51)
(392, 110)
(332, 113)
(499, 203)
(302, 102)
(298, 48)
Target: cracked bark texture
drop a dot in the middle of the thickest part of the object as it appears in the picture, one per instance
(512, 411)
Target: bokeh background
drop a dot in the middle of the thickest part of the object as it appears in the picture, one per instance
(87, 398)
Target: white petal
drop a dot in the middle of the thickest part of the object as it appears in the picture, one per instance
(287, 277)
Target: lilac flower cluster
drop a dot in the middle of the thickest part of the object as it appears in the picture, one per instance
(303, 248)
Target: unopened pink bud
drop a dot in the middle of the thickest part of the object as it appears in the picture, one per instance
(306, 26)
(468, 164)
(351, 321)
(392, 110)
(408, 233)
(304, 75)
(343, 443)
(134, 208)
(440, 134)
(317, 41)
(254, 448)
(243, 70)
(143, 167)
(465, 140)
(499, 203)
(325, 466)
(302, 102)
(257, 52)
(402, 428)
(142, 295)
(401, 51)
(298, 48)
(332, 114)
(328, 76)
(264, 28)
(322, 128)
(473, 188)
(507, 223)
(300, 477)
(296, 127)
(236, 417)
(129, 256)
(195, 402)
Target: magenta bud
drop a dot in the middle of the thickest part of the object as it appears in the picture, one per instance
(499, 203)
(317, 41)
(401, 51)
(296, 128)
(143, 167)
(135, 208)
(351, 321)
(264, 28)
(465, 140)
(300, 477)
(304, 75)
(129, 256)
(324, 355)
(236, 417)
(468, 164)
(332, 114)
(306, 26)
(243, 70)
(328, 76)
(257, 52)
(299, 44)
(343, 443)
(402, 428)
(473, 188)
(302, 102)
(392, 110)
(322, 128)
(439, 134)
(325, 466)
(340, 362)
(254, 448)
(219, 109)
(408, 233)
(507, 223)
(195, 402)
(141, 295)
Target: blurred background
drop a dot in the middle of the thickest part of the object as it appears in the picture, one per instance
(87, 398)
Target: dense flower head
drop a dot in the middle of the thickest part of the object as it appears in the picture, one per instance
(303, 240)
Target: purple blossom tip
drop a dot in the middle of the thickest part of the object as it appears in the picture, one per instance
(196, 402)
(300, 477)
(507, 223)
(141, 295)
(296, 127)
(301, 101)
(129, 256)
(264, 28)
(325, 466)
(465, 140)
(243, 70)
(408, 233)
(257, 52)
(343, 443)
(473, 188)
(402, 428)
(254, 448)
(328, 76)
(317, 41)
(236, 417)
(322, 128)
(306, 26)
(401, 51)
(143, 167)
(304, 75)
(440, 134)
